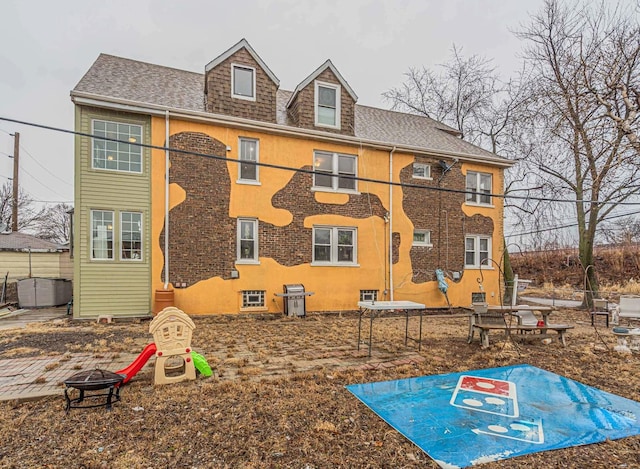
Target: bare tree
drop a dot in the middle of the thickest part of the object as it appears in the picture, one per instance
(623, 231)
(465, 94)
(55, 224)
(577, 150)
(29, 215)
(613, 75)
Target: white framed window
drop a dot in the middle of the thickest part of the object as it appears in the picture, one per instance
(335, 171)
(243, 82)
(247, 241)
(253, 298)
(421, 238)
(368, 295)
(478, 188)
(334, 245)
(101, 235)
(421, 171)
(131, 236)
(248, 151)
(477, 251)
(116, 156)
(327, 105)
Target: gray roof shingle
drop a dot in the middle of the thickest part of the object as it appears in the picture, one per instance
(112, 77)
(15, 241)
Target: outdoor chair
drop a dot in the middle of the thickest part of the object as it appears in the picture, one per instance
(600, 308)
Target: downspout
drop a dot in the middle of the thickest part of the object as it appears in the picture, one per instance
(391, 223)
(166, 200)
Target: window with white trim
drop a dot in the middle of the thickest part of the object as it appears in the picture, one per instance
(248, 150)
(334, 245)
(478, 188)
(101, 235)
(247, 241)
(477, 251)
(327, 105)
(253, 298)
(334, 171)
(421, 171)
(421, 238)
(243, 82)
(368, 295)
(116, 156)
(131, 236)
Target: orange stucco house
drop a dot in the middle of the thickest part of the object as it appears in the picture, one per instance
(221, 188)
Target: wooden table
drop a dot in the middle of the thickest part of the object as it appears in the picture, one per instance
(507, 310)
(377, 308)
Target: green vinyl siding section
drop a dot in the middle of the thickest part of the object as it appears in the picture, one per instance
(113, 287)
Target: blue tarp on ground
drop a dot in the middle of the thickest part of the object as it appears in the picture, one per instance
(462, 419)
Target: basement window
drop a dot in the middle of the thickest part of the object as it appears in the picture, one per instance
(253, 298)
(368, 295)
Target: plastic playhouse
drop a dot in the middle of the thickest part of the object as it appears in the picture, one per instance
(172, 330)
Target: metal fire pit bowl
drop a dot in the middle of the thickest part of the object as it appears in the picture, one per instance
(93, 380)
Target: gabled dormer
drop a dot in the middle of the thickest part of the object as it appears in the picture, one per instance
(238, 83)
(323, 101)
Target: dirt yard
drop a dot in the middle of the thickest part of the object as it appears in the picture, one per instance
(277, 397)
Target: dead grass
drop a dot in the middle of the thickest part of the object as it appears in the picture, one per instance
(277, 400)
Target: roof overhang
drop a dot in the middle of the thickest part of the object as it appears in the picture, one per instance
(89, 99)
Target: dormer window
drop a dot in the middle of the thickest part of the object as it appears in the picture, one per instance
(327, 105)
(243, 82)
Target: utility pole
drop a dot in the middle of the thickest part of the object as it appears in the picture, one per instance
(16, 159)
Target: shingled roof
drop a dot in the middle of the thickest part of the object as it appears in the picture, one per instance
(15, 241)
(113, 78)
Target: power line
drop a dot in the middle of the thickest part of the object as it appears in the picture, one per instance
(40, 182)
(53, 201)
(569, 225)
(311, 171)
(43, 167)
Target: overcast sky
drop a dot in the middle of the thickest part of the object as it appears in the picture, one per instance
(47, 46)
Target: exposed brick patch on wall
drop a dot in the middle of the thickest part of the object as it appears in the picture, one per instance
(202, 235)
(395, 246)
(440, 213)
(301, 112)
(218, 91)
(202, 242)
(477, 224)
(292, 244)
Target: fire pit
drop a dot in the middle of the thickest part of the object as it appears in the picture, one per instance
(93, 380)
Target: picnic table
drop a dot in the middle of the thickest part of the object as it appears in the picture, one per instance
(376, 308)
(514, 318)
